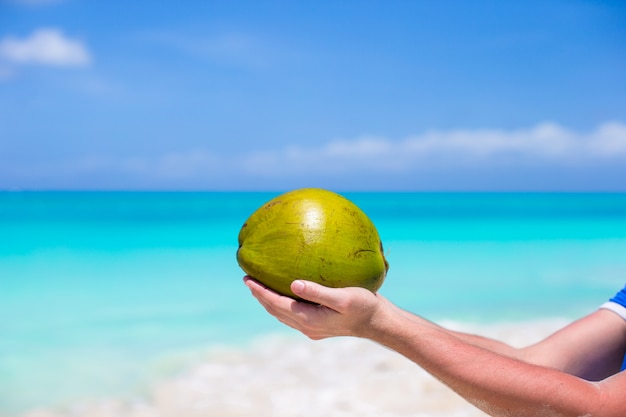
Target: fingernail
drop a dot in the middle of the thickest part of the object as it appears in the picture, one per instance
(297, 287)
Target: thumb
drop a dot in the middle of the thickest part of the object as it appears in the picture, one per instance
(316, 293)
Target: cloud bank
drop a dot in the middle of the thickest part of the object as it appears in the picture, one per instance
(546, 155)
(47, 46)
(546, 143)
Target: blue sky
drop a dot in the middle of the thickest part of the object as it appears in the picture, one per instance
(348, 95)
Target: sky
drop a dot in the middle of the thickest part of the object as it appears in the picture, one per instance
(480, 95)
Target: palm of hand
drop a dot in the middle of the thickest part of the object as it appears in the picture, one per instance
(332, 311)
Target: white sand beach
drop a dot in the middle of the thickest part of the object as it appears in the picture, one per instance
(291, 376)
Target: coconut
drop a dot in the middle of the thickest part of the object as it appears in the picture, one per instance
(311, 234)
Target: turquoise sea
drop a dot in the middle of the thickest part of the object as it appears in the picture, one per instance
(103, 293)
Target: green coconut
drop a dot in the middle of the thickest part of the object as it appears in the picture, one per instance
(311, 234)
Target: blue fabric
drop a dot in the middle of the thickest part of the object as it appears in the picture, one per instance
(620, 297)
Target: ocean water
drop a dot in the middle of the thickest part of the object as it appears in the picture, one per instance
(137, 298)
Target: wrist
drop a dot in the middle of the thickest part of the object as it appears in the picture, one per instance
(381, 322)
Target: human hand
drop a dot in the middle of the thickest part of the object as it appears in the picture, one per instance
(336, 312)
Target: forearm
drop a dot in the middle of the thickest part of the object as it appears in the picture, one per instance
(495, 346)
(591, 347)
(500, 385)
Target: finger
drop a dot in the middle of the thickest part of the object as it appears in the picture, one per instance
(332, 298)
(285, 309)
(266, 296)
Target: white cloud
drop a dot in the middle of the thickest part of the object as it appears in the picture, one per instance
(546, 143)
(45, 47)
(609, 140)
(424, 156)
(543, 140)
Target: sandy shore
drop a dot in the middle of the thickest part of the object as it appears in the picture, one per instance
(290, 376)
